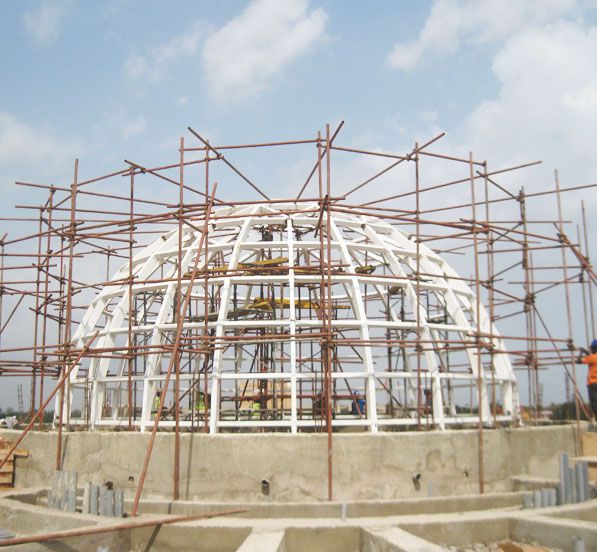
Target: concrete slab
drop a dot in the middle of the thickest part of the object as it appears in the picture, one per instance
(264, 541)
(331, 539)
(186, 537)
(393, 539)
(555, 532)
(355, 509)
(383, 533)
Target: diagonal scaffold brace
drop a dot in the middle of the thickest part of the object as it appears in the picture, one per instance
(175, 348)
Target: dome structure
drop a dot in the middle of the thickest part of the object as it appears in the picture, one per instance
(286, 299)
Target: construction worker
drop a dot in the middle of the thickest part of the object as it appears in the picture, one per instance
(200, 403)
(256, 414)
(591, 360)
(156, 402)
(266, 234)
(358, 405)
(318, 405)
(428, 407)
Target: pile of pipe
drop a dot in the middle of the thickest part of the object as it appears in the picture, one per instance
(102, 500)
(573, 486)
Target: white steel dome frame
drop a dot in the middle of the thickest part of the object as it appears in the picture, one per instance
(260, 285)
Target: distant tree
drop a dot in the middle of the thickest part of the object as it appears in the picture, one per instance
(565, 411)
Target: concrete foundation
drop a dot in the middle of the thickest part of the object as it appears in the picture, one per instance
(379, 504)
(366, 466)
(385, 532)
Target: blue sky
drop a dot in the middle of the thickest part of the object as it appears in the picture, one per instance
(511, 80)
(103, 80)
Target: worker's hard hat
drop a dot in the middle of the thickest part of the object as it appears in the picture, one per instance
(594, 343)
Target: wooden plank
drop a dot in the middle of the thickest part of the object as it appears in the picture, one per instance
(587, 459)
(589, 444)
(509, 546)
(6, 478)
(18, 452)
(7, 471)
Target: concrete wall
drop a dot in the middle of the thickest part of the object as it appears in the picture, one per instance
(23, 519)
(555, 528)
(366, 466)
(557, 535)
(334, 510)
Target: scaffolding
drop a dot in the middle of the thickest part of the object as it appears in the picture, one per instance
(333, 308)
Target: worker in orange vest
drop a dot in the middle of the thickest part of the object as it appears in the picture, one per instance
(591, 360)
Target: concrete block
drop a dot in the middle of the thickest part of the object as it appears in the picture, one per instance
(579, 545)
(55, 489)
(545, 498)
(579, 482)
(63, 490)
(57, 481)
(527, 500)
(572, 485)
(586, 482)
(103, 500)
(71, 498)
(537, 499)
(94, 500)
(109, 503)
(118, 503)
(565, 498)
(86, 496)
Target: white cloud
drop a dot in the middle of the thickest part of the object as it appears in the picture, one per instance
(152, 64)
(45, 22)
(545, 101)
(452, 22)
(547, 105)
(134, 127)
(241, 58)
(20, 144)
(182, 101)
(32, 154)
